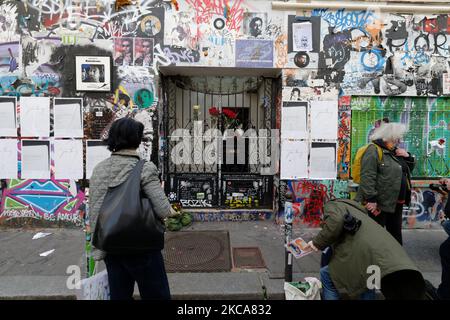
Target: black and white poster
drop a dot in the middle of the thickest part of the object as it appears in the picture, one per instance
(93, 73)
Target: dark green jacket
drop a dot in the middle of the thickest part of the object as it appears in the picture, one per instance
(381, 181)
(353, 254)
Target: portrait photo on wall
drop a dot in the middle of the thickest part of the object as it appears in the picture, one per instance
(149, 26)
(123, 51)
(255, 24)
(143, 52)
(93, 73)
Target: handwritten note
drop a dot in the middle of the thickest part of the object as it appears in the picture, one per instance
(96, 152)
(294, 159)
(8, 159)
(323, 161)
(294, 120)
(324, 120)
(8, 121)
(68, 121)
(68, 159)
(35, 159)
(35, 116)
(302, 36)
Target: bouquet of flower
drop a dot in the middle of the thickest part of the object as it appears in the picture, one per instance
(228, 116)
(183, 219)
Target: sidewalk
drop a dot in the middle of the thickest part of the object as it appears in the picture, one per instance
(26, 275)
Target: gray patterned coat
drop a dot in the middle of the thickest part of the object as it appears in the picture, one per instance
(115, 170)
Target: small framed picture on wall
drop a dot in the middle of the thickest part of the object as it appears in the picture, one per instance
(93, 73)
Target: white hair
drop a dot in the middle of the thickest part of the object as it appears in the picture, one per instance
(389, 132)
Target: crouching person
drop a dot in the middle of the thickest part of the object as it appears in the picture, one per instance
(360, 247)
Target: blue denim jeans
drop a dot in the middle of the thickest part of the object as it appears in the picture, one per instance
(446, 226)
(146, 269)
(444, 252)
(329, 291)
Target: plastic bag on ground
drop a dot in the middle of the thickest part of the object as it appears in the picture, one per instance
(306, 290)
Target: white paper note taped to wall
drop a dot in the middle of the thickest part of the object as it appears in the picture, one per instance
(68, 159)
(302, 36)
(68, 121)
(35, 116)
(8, 119)
(35, 159)
(294, 120)
(8, 159)
(294, 159)
(324, 120)
(446, 82)
(96, 152)
(323, 161)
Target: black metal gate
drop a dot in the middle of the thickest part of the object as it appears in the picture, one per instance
(198, 107)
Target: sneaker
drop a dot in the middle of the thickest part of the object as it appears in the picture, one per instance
(430, 291)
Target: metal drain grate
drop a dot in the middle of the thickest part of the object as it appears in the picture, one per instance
(248, 258)
(197, 251)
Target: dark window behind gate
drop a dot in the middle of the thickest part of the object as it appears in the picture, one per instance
(237, 103)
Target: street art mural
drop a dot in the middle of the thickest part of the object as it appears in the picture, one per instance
(403, 58)
(308, 198)
(428, 120)
(426, 207)
(44, 202)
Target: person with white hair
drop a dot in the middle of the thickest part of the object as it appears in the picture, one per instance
(385, 184)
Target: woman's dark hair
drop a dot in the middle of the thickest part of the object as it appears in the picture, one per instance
(125, 133)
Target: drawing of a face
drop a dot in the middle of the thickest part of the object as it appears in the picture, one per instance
(44, 51)
(147, 46)
(304, 41)
(256, 27)
(126, 47)
(149, 27)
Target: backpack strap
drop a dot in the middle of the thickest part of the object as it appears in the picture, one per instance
(379, 151)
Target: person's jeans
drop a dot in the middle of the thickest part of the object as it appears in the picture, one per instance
(446, 226)
(147, 270)
(444, 288)
(330, 292)
(392, 222)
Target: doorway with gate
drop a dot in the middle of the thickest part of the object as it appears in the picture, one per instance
(205, 115)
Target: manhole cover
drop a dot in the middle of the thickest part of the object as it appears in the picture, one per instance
(197, 251)
(248, 258)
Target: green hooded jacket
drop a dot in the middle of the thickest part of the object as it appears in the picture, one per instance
(352, 255)
(381, 181)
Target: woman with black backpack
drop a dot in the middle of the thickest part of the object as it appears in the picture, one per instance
(128, 226)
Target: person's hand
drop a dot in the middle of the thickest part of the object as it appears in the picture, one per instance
(311, 246)
(441, 217)
(173, 213)
(373, 208)
(399, 152)
(445, 182)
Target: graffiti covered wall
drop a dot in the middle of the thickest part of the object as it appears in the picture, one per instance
(349, 53)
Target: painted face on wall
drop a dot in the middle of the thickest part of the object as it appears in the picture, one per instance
(147, 46)
(126, 47)
(44, 52)
(256, 27)
(149, 27)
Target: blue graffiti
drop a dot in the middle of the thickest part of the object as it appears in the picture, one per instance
(377, 65)
(421, 58)
(344, 20)
(28, 89)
